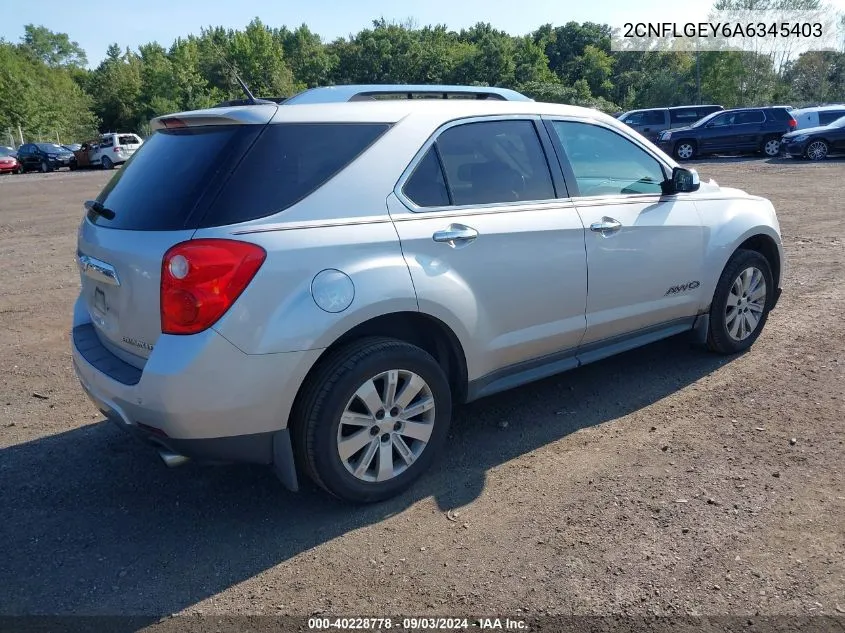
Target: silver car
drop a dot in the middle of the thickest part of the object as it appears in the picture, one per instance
(313, 286)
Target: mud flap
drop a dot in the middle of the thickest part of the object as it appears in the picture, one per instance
(701, 329)
(283, 464)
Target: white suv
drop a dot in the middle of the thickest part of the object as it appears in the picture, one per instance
(114, 149)
(313, 286)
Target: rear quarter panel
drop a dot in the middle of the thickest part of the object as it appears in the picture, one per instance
(277, 313)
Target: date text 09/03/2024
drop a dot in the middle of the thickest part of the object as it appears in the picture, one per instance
(415, 624)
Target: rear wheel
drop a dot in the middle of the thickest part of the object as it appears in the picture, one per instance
(685, 150)
(372, 419)
(107, 163)
(771, 146)
(817, 150)
(741, 303)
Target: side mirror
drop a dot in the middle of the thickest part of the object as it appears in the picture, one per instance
(683, 181)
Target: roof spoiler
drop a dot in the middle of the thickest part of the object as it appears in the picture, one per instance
(341, 94)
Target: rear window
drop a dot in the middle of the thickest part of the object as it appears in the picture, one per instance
(287, 163)
(188, 178)
(780, 114)
(159, 186)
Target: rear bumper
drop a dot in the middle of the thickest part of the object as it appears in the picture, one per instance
(198, 395)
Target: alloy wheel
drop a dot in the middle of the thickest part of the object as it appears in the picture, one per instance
(685, 151)
(817, 150)
(772, 147)
(386, 425)
(746, 303)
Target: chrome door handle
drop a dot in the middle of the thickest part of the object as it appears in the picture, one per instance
(456, 235)
(606, 226)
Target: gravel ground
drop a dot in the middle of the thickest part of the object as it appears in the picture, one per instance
(663, 481)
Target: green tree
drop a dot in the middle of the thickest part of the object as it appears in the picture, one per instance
(54, 49)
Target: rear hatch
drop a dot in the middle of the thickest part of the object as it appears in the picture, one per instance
(126, 144)
(201, 169)
(155, 201)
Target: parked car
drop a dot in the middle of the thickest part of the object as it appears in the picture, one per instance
(816, 143)
(8, 161)
(107, 151)
(43, 157)
(652, 121)
(818, 116)
(744, 130)
(314, 287)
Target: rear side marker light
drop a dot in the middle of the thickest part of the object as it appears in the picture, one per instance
(201, 279)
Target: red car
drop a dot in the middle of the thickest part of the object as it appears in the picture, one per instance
(9, 163)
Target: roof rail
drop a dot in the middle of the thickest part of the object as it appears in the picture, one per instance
(368, 92)
(240, 102)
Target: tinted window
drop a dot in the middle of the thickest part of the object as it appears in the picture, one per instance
(128, 139)
(106, 142)
(287, 163)
(686, 115)
(495, 162)
(606, 163)
(779, 114)
(159, 186)
(829, 116)
(426, 186)
(749, 116)
(646, 117)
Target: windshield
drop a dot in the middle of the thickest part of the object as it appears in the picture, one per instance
(709, 117)
(51, 147)
(5, 151)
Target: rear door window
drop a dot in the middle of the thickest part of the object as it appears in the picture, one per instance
(495, 162)
(685, 116)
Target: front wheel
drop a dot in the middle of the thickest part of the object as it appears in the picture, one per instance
(817, 150)
(45, 167)
(685, 150)
(741, 303)
(372, 419)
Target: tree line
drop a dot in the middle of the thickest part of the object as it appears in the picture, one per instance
(48, 92)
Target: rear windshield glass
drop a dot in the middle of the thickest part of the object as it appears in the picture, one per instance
(159, 186)
(288, 162)
(189, 178)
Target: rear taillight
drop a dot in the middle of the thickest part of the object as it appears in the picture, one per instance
(117, 149)
(201, 279)
(793, 123)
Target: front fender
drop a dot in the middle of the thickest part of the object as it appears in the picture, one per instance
(729, 222)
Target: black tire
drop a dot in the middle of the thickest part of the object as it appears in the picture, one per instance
(107, 163)
(20, 169)
(680, 149)
(45, 167)
(719, 338)
(316, 415)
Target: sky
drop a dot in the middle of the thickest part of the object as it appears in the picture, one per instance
(95, 24)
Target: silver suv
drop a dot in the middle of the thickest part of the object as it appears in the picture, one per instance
(314, 286)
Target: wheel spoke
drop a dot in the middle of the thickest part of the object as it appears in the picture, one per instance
(734, 328)
(733, 300)
(367, 458)
(731, 316)
(391, 381)
(756, 308)
(368, 394)
(385, 461)
(356, 419)
(422, 406)
(751, 321)
(758, 293)
(403, 450)
(351, 444)
(417, 430)
(409, 391)
(746, 281)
